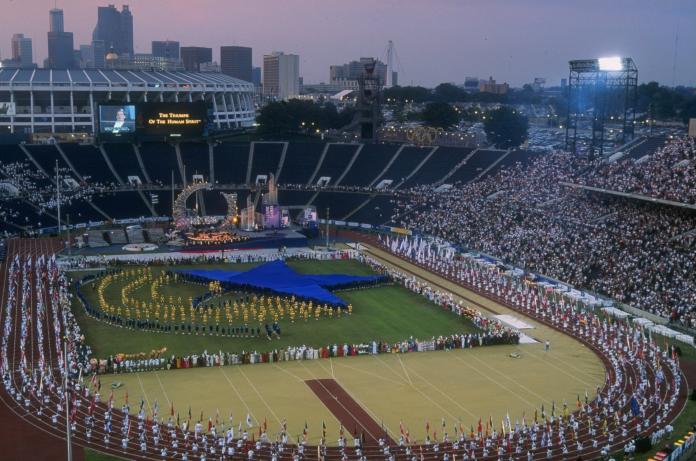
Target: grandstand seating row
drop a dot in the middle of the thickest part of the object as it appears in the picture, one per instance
(240, 163)
(109, 172)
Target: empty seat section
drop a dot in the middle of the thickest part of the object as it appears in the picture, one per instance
(337, 158)
(46, 156)
(89, 163)
(80, 212)
(17, 212)
(339, 203)
(377, 211)
(163, 207)
(124, 161)
(300, 161)
(294, 197)
(196, 159)
(409, 159)
(215, 203)
(231, 160)
(160, 160)
(12, 153)
(478, 162)
(371, 161)
(266, 158)
(438, 165)
(122, 205)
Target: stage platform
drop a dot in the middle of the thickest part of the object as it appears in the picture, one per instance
(266, 239)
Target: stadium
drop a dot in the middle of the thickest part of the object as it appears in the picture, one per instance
(206, 344)
(66, 100)
(193, 268)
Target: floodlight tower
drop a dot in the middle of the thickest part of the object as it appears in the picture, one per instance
(599, 89)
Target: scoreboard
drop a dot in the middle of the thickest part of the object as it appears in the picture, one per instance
(152, 120)
(173, 120)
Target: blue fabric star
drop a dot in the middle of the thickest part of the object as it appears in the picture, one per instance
(277, 277)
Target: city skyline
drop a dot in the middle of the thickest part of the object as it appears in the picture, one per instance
(438, 41)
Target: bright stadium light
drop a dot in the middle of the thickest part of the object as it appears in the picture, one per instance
(611, 64)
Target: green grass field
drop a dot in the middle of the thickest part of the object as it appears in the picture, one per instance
(386, 313)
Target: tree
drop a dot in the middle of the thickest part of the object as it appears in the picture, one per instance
(439, 115)
(298, 116)
(447, 92)
(506, 128)
(407, 93)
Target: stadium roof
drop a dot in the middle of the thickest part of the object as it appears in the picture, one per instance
(116, 78)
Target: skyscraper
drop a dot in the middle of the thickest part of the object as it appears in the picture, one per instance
(60, 43)
(194, 56)
(165, 49)
(235, 61)
(99, 53)
(22, 50)
(256, 76)
(115, 29)
(55, 20)
(281, 75)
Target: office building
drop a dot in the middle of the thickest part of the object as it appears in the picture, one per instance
(235, 61)
(22, 52)
(490, 86)
(281, 75)
(165, 49)
(115, 29)
(55, 20)
(346, 75)
(61, 54)
(256, 76)
(193, 56)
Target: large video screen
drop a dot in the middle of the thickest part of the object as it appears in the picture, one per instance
(174, 120)
(117, 118)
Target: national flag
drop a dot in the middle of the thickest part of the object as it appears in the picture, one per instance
(171, 412)
(427, 427)
(248, 420)
(479, 428)
(323, 429)
(126, 397)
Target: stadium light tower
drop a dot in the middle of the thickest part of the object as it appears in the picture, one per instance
(600, 89)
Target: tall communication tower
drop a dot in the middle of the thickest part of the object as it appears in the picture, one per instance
(390, 65)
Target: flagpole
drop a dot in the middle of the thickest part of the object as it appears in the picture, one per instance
(67, 400)
(58, 195)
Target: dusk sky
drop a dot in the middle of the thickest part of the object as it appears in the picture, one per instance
(436, 40)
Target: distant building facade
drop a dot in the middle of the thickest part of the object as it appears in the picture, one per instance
(22, 52)
(281, 75)
(193, 56)
(115, 29)
(235, 61)
(165, 49)
(341, 74)
(491, 86)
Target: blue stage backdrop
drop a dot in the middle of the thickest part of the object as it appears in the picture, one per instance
(277, 277)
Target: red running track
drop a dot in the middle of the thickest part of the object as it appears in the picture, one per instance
(349, 413)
